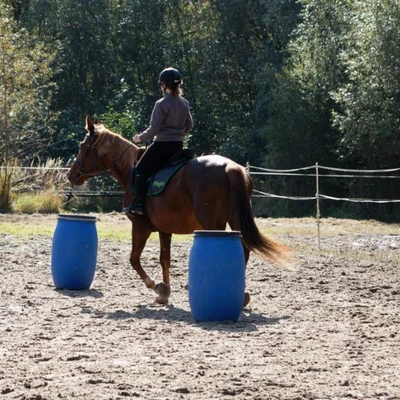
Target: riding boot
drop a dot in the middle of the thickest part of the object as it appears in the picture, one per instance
(139, 187)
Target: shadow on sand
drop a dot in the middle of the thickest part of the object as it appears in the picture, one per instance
(80, 293)
(248, 320)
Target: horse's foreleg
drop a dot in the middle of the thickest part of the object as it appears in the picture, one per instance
(163, 289)
(139, 239)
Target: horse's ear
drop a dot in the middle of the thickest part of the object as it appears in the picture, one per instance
(89, 125)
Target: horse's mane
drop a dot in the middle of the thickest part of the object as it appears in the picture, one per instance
(111, 144)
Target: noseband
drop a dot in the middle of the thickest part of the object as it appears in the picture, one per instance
(87, 145)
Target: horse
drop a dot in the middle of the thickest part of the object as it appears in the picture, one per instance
(207, 193)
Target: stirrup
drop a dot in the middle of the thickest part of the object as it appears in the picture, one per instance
(134, 209)
(128, 210)
(138, 209)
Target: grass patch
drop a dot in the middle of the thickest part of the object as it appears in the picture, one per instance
(115, 226)
(22, 229)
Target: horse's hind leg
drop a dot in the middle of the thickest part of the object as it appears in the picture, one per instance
(246, 299)
(163, 289)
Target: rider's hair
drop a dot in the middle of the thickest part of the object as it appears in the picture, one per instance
(176, 91)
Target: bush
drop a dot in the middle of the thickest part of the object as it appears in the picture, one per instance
(44, 202)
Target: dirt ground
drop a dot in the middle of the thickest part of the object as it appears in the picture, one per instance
(327, 328)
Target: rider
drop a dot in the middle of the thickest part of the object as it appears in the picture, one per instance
(170, 122)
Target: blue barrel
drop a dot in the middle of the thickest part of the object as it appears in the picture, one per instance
(74, 252)
(216, 276)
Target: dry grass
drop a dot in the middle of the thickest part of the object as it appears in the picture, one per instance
(49, 175)
(36, 188)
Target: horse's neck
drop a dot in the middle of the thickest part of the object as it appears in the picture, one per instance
(120, 160)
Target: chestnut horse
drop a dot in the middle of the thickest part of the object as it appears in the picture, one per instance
(206, 194)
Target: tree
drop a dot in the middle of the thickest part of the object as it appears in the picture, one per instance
(369, 112)
(25, 90)
(239, 38)
(302, 103)
(109, 55)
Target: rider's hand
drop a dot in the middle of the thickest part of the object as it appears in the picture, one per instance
(136, 139)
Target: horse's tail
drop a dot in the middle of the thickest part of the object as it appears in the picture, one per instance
(241, 187)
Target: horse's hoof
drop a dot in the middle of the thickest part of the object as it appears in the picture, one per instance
(163, 290)
(246, 299)
(162, 300)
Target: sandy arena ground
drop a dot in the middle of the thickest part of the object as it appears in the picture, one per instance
(328, 328)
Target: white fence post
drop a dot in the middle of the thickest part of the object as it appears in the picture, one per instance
(318, 209)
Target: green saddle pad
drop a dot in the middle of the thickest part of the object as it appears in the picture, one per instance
(158, 181)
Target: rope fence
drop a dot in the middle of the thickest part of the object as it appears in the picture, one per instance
(293, 172)
(315, 172)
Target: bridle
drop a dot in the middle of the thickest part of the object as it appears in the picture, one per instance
(88, 144)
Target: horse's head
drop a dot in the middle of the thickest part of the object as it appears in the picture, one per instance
(87, 163)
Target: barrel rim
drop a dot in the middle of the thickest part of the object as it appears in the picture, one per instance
(216, 233)
(77, 217)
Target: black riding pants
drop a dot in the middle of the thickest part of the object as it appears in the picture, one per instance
(156, 156)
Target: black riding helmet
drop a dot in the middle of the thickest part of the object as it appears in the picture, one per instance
(171, 77)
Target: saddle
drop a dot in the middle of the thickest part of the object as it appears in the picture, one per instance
(158, 181)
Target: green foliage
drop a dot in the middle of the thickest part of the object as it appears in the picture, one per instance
(336, 99)
(299, 128)
(122, 123)
(109, 55)
(369, 100)
(25, 92)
